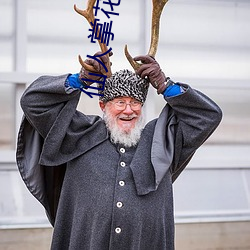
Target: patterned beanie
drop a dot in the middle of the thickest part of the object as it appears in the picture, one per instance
(124, 83)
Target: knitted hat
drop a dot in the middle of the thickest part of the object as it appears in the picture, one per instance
(124, 83)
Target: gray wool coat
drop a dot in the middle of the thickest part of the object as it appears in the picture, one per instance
(99, 195)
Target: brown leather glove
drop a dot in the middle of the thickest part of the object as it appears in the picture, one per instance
(99, 69)
(151, 69)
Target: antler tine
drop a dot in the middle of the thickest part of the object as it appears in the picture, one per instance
(158, 6)
(88, 13)
(135, 65)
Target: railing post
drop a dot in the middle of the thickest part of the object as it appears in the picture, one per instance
(20, 54)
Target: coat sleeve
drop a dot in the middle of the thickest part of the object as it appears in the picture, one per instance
(52, 133)
(67, 133)
(43, 101)
(197, 117)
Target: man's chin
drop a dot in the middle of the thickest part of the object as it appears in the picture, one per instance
(125, 131)
(126, 127)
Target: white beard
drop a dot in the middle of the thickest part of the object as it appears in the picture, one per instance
(127, 139)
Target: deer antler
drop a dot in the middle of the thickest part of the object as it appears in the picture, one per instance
(88, 13)
(158, 6)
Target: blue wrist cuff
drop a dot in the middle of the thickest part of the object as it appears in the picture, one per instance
(73, 81)
(172, 90)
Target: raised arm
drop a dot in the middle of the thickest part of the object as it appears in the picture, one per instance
(196, 115)
(44, 99)
(49, 96)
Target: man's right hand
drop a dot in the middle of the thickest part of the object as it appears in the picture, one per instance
(98, 68)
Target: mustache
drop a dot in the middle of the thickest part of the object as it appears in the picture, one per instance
(122, 116)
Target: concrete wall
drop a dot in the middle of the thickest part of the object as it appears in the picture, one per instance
(213, 236)
(193, 236)
(25, 239)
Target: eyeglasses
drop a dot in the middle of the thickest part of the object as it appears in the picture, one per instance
(121, 105)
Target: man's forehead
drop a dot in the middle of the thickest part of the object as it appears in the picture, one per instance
(124, 98)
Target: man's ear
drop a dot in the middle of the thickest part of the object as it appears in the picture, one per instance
(102, 105)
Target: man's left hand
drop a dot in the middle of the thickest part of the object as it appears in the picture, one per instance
(151, 69)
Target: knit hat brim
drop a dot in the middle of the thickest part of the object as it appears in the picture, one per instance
(124, 83)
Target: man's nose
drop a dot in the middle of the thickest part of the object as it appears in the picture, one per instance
(128, 110)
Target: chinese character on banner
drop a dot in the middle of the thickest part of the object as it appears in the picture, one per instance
(101, 32)
(96, 8)
(111, 4)
(101, 82)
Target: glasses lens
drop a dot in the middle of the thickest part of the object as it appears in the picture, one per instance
(120, 105)
(135, 105)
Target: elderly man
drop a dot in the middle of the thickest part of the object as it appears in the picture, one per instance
(107, 183)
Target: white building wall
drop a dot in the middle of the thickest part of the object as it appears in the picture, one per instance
(205, 43)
